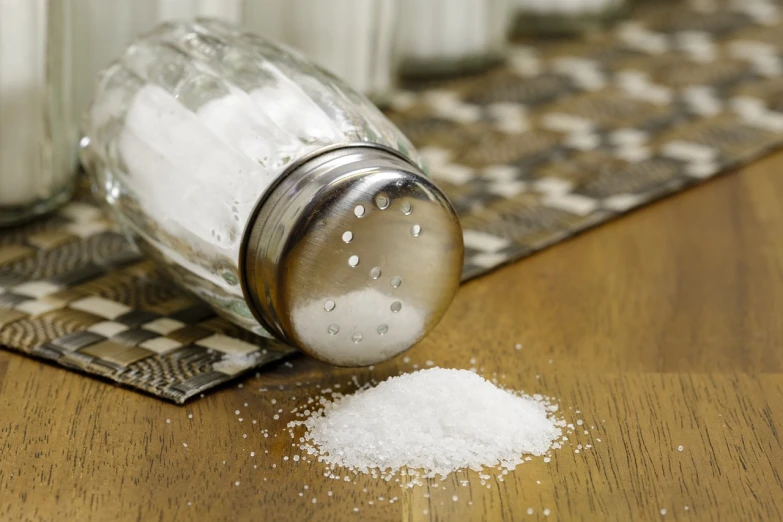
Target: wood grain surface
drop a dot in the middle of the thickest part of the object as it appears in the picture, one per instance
(661, 329)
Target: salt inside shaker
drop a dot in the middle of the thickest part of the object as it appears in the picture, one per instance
(274, 192)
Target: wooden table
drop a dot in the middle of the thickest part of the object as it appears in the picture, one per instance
(663, 328)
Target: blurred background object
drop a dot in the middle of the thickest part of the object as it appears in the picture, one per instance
(564, 17)
(353, 39)
(37, 143)
(439, 37)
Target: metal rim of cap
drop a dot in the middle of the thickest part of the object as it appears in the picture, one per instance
(287, 284)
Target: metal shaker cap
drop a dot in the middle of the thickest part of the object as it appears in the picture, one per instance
(353, 257)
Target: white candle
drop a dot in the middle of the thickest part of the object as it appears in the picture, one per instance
(458, 33)
(351, 38)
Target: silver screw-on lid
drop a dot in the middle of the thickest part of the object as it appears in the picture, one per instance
(353, 257)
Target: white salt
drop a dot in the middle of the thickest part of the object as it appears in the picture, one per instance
(680, 448)
(435, 420)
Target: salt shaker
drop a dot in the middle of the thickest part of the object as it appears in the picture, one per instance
(37, 139)
(361, 52)
(273, 191)
(442, 37)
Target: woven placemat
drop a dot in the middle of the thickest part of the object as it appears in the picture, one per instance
(565, 136)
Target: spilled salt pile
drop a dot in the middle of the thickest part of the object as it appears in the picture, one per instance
(433, 421)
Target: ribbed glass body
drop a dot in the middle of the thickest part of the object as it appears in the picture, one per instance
(194, 124)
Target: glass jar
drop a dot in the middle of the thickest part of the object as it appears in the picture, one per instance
(564, 17)
(273, 191)
(37, 138)
(441, 37)
(353, 39)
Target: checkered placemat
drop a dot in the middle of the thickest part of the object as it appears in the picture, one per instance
(73, 291)
(565, 136)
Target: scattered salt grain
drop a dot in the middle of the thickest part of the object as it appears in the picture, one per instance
(547, 459)
(529, 511)
(518, 346)
(168, 421)
(236, 483)
(410, 416)
(680, 448)
(686, 508)
(190, 415)
(236, 412)
(663, 511)
(185, 444)
(455, 498)
(252, 453)
(547, 512)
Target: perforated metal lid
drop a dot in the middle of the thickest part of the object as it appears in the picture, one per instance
(353, 257)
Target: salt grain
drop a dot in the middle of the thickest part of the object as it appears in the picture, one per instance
(663, 511)
(547, 512)
(411, 415)
(680, 448)
(529, 511)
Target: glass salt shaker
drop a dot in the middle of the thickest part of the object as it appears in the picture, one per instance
(274, 192)
(442, 37)
(38, 157)
(562, 17)
(361, 53)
